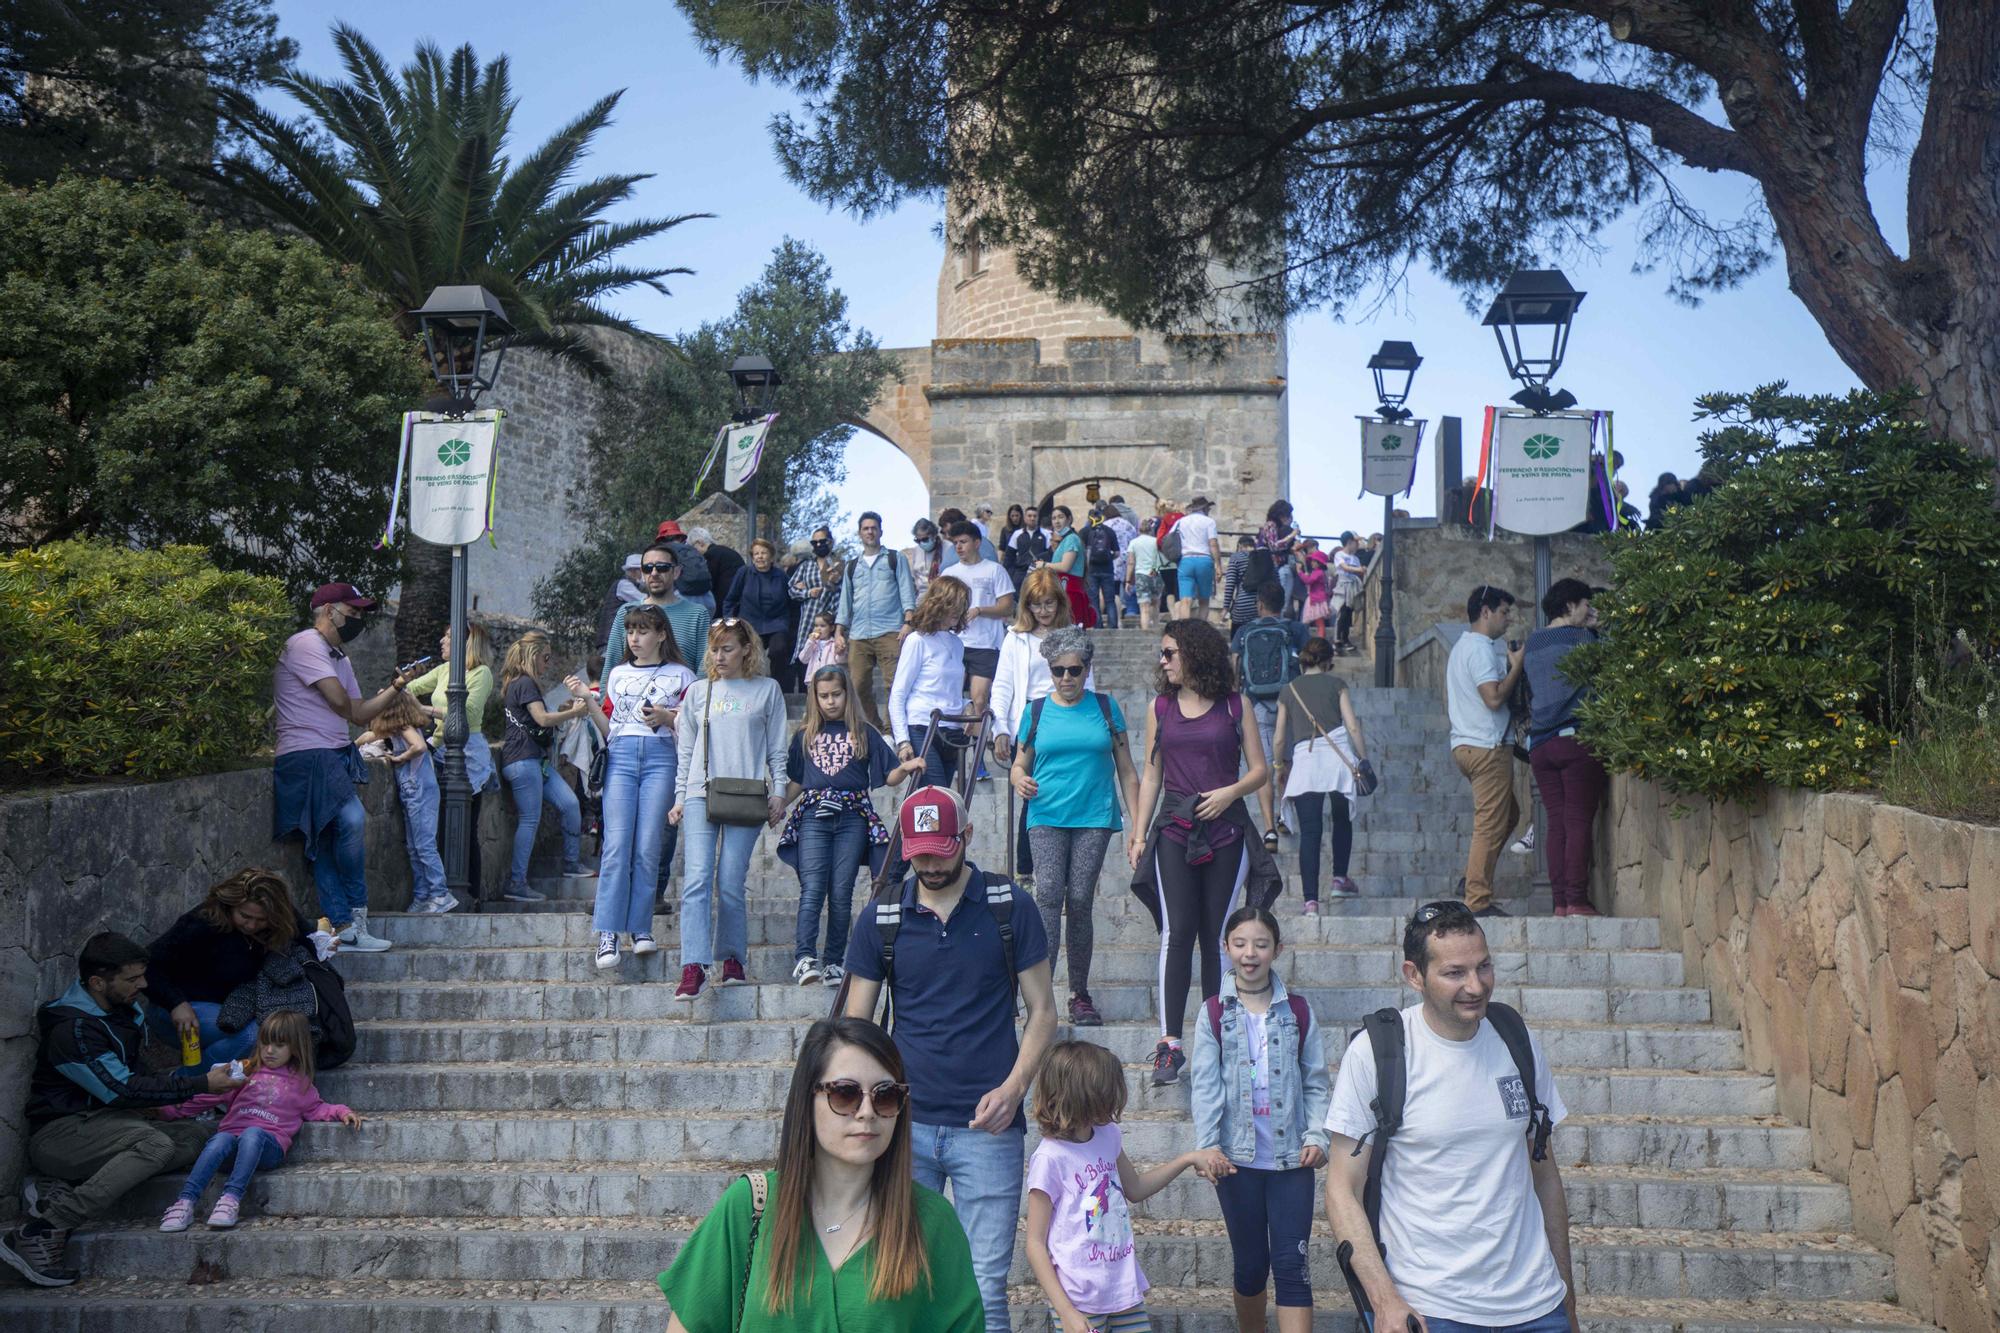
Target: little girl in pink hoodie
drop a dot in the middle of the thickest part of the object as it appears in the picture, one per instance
(262, 1118)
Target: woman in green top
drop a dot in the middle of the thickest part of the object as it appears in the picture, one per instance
(846, 1241)
(431, 687)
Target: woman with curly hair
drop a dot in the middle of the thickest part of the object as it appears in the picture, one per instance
(1194, 853)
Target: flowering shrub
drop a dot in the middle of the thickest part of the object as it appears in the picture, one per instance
(1767, 634)
(130, 663)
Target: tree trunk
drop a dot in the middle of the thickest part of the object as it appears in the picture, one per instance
(424, 611)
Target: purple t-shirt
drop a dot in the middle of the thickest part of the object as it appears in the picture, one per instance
(1199, 754)
(305, 722)
(1090, 1224)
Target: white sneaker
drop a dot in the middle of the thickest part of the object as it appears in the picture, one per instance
(607, 949)
(355, 935)
(643, 945)
(1525, 844)
(448, 903)
(833, 974)
(806, 971)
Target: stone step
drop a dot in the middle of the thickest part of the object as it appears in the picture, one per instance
(431, 1041)
(1640, 1263)
(653, 1086)
(375, 1305)
(1398, 895)
(643, 988)
(1721, 1199)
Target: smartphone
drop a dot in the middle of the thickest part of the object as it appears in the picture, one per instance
(417, 665)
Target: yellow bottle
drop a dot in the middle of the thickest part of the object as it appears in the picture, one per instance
(190, 1048)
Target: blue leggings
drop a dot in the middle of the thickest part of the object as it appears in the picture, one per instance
(1269, 1217)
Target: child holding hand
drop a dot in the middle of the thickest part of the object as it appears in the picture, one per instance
(402, 728)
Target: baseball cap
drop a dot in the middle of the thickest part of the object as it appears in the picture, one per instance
(672, 530)
(932, 821)
(347, 593)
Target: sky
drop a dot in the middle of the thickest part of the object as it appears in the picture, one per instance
(703, 131)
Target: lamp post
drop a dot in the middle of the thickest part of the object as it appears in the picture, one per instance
(456, 322)
(757, 381)
(1391, 361)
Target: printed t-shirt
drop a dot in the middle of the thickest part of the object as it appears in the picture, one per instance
(305, 720)
(1075, 769)
(1474, 659)
(833, 761)
(629, 688)
(989, 583)
(705, 1286)
(1090, 1224)
(518, 744)
(1461, 1224)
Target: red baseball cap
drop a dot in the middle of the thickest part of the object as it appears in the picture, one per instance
(347, 593)
(933, 821)
(671, 529)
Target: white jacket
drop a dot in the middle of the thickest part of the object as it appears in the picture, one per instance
(1021, 678)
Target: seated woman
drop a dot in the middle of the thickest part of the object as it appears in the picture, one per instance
(214, 949)
(838, 1235)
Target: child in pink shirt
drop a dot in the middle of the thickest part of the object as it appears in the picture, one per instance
(262, 1118)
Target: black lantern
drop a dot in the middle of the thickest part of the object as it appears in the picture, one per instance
(1395, 367)
(457, 323)
(1541, 301)
(757, 381)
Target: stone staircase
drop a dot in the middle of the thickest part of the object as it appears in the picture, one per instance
(541, 1136)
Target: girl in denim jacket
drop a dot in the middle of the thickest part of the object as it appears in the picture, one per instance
(1260, 1089)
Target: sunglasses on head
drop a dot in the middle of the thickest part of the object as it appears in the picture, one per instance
(1066, 671)
(1430, 912)
(658, 566)
(843, 1096)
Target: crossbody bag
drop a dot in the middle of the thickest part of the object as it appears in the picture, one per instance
(741, 802)
(1365, 781)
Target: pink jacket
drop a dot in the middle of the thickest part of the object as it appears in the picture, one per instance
(276, 1101)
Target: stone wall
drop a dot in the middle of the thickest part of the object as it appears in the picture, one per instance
(1858, 946)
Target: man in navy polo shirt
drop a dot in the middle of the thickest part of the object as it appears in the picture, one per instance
(954, 1012)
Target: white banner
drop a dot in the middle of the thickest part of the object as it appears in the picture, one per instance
(1540, 472)
(1389, 455)
(743, 449)
(450, 465)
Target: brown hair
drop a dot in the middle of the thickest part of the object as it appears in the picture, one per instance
(641, 613)
(857, 724)
(943, 606)
(403, 710)
(899, 1258)
(521, 655)
(768, 545)
(1081, 1086)
(290, 1027)
(1041, 585)
(1317, 653)
(1205, 665)
(255, 886)
(754, 662)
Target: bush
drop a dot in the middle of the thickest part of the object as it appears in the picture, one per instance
(126, 663)
(1769, 634)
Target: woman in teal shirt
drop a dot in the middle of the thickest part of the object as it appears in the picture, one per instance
(845, 1242)
(1072, 762)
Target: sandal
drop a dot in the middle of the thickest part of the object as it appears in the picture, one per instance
(1271, 840)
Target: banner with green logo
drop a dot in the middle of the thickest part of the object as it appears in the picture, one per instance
(450, 465)
(1540, 471)
(1389, 455)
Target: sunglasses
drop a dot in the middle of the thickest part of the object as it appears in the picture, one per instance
(1067, 671)
(843, 1096)
(1430, 912)
(1169, 654)
(659, 567)
(730, 621)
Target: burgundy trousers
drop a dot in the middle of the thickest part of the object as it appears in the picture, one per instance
(1572, 784)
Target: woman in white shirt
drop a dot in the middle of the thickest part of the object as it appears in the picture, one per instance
(1022, 678)
(930, 676)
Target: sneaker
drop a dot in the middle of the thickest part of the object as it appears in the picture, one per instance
(1312, 907)
(1525, 844)
(1343, 887)
(732, 974)
(38, 1195)
(1168, 1061)
(354, 935)
(1491, 909)
(224, 1216)
(832, 974)
(1284, 829)
(806, 971)
(1583, 909)
(179, 1217)
(448, 903)
(693, 977)
(607, 949)
(579, 872)
(521, 893)
(1082, 1013)
(39, 1259)
(643, 945)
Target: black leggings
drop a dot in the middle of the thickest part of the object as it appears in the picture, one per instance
(1194, 902)
(1306, 805)
(1269, 1216)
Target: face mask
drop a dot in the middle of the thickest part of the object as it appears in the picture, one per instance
(822, 548)
(350, 628)
(927, 544)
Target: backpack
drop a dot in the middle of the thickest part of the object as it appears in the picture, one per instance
(1035, 717)
(1268, 660)
(999, 891)
(1102, 544)
(1301, 1018)
(336, 1021)
(1170, 546)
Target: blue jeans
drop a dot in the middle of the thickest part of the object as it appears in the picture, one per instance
(342, 878)
(254, 1149)
(1197, 576)
(1269, 1216)
(638, 792)
(417, 784)
(701, 880)
(830, 852)
(1104, 595)
(216, 1045)
(941, 764)
(533, 781)
(985, 1172)
(1555, 1321)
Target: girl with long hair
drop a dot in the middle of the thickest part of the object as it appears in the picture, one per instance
(526, 765)
(930, 675)
(842, 1182)
(215, 948)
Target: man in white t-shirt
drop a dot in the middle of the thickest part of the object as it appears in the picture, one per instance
(992, 605)
(1474, 1232)
(1477, 680)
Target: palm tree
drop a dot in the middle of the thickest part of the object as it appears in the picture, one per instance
(405, 179)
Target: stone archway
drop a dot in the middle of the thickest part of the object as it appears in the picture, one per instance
(1141, 497)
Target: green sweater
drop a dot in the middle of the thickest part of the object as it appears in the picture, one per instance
(432, 685)
(707, 1278)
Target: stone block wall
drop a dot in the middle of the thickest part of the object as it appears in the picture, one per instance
(1858, 947)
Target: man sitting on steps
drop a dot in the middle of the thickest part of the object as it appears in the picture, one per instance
(952, 950)
(87, 1106)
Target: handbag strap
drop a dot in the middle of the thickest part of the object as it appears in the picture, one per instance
(707, 747)
(1319, 731)
(759, 1187)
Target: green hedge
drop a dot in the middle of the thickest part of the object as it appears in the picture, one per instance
(131, 663)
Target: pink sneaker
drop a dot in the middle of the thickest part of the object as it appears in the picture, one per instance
(693, 978)
(1312, 907)
(732, 973)
(224, 1216)
(179, 1217)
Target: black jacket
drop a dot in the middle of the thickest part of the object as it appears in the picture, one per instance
(90, 1061)
(723, 565)
(197, 961)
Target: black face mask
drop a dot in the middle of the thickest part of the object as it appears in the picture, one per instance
(822, 548)
(350, 629)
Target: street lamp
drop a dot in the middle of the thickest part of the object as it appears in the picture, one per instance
(457, 323)
(757, 382)
(1394, 366)
(1542, 301)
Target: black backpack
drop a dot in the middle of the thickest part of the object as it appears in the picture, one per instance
(1385, 1038)
(1102, 544)
(999, 893)
(331, 1015)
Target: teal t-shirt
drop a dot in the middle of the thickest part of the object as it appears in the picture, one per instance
(1076, 773)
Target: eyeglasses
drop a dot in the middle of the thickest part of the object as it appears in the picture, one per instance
(843, 1096)
(1169, 654)
(1067, 671)
(659, 567)
(1430, 912)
